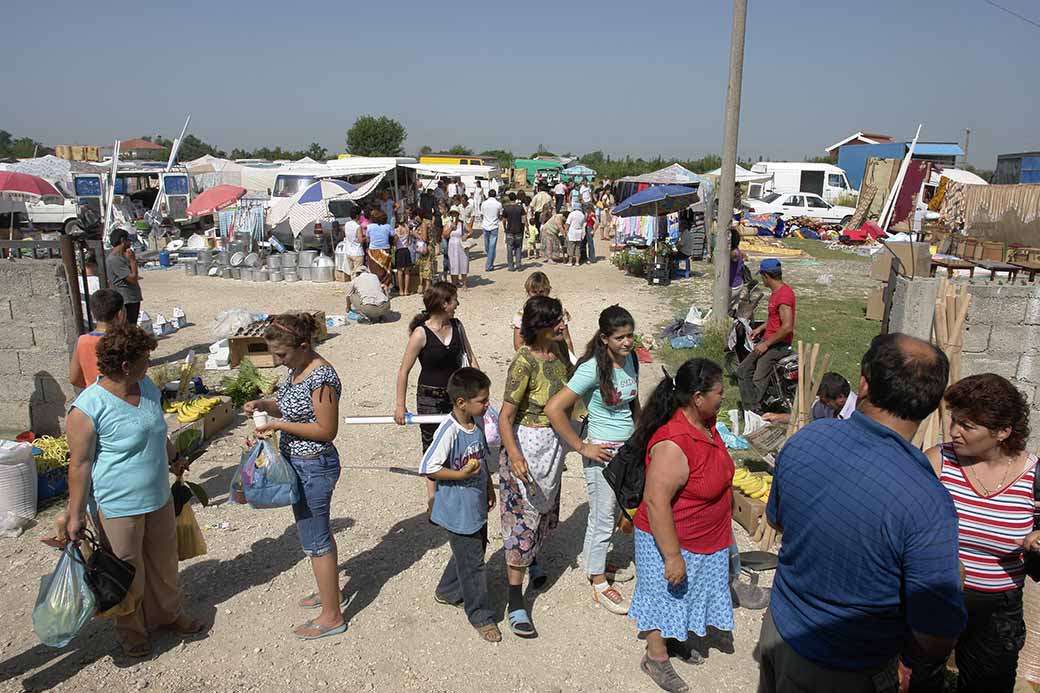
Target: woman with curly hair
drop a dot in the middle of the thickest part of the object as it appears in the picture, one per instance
(532, 454)
(120, 458)
(990, 476)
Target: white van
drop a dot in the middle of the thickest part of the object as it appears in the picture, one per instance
(826, 180)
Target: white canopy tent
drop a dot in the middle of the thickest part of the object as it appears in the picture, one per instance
(743, 175)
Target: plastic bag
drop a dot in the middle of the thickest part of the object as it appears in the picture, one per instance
(491, 427)
(64, 602)
(733, 442)
(264, 478)
(190, 541)
(228, 322)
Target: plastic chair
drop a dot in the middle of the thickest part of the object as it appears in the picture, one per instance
(682, 271)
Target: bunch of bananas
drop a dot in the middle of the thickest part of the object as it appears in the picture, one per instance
(193, 409)
(752, 486)
(54, 453)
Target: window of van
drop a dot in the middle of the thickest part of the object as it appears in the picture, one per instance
(88, 187)
(176, 185)
(287, 186)
(835, 180)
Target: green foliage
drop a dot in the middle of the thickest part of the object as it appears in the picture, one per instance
(631, 261)
(425, 149)
(607, 167)
(541, 151)
(314, 151)
(372, 136)
(505, 158)
(847, 201)
(459, 150)
(829, 159)
(984, 174)
(22, 147)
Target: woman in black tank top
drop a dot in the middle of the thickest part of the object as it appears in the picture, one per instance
(438, 341)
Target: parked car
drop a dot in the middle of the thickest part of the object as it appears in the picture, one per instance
(54, 213)
(801, 204)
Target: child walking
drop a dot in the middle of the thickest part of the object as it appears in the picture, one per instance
(457, 463)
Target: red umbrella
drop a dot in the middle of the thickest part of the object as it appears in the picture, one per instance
(215, 199)
(24, 183)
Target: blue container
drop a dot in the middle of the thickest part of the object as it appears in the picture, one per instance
(51, 483)
(164, 258)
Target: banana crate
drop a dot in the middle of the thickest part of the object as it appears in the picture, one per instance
(748, 511)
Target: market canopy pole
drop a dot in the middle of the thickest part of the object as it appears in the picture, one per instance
(727, 179)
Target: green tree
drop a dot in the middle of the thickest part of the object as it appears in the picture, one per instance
(316, 152)
(542, 151)
(829, 159)
(425, 149)
(504, 157)
(371, 136)
(459, 150)
(593, 159)
(5, 143)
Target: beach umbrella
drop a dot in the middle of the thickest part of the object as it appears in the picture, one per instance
(656, 201)
(25, 184)
(578, 171)
(215, 199)
(312, 203)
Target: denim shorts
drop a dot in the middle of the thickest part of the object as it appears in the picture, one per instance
(317, 479)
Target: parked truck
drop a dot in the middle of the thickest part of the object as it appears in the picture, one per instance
(826, 180)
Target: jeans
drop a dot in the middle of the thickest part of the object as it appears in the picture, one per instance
(317, 477)
(590, 242)
(753, 374)
(490, 246)
(559, 202)
(464, 578)
(987, 650)
(603, 514)
(514, 251)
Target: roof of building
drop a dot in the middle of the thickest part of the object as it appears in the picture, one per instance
(1018, 155)
(866, 137)
(937, 149)
(138, 144)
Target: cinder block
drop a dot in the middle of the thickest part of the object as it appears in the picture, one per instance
(14, 279)
(17, 337)
(998, 311)
(52, 337)
(48, 278)
(15, 416)
(38, 360)
(9, 363)
(1033, 311)
(976, 338)
(1029, 390)
(1012, 338)
(16, 388)
(913, 306)
(1029, 368)
(37, 310)
(986, 289)
(5, 311)
(1005, 365)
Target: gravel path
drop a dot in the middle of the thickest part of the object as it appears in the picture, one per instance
(398, 638)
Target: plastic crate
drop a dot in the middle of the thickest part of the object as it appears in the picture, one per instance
(51, 483)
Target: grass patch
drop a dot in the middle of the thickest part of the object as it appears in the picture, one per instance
(820, 251)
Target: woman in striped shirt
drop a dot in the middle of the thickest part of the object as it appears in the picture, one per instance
(990, 477)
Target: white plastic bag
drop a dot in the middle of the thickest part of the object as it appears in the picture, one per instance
(18, 482)
(228, 322)
(694, 316)
(65, 601)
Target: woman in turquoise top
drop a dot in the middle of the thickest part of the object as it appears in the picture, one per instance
(607, 379)
(119, 451)
(380, 235)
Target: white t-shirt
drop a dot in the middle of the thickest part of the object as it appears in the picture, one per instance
(350, 238)
(586, 195)
(490, 210)
(560, 189)
(453, 190)
(576, 225)
(366, 285)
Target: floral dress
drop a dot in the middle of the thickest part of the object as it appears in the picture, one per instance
(531, 511)
(426, 261)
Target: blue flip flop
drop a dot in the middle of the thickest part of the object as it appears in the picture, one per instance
(322, 632)
(520, 624)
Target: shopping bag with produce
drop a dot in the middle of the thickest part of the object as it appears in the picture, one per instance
(190, 541)
(264, 478)
(65, 601)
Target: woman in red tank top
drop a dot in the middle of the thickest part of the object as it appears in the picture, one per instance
(683, 531)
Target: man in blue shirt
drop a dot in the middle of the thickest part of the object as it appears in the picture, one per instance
(868, 565)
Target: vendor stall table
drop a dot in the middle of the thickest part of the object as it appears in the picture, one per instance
(1030, 266)
(950, 265)
(994, 267)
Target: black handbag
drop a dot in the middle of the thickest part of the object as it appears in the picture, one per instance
(108, 576)
(626, 475)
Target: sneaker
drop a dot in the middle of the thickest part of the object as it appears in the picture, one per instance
(611, 600)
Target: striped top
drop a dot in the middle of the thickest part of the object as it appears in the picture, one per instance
(991, 527)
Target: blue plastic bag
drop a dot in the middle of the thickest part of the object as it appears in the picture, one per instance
(732, 441)
(65, 601)
(265, 478)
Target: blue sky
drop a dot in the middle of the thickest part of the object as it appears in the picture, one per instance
(640, 78)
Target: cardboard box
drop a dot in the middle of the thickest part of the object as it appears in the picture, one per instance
(216, 420)
(876, 303)
(913, 260)
(747, 511)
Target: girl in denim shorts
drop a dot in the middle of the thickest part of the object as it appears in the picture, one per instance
(307, 411)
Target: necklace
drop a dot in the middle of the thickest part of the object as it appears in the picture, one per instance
(978, 480)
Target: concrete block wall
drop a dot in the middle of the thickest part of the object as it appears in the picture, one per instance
(39, 332)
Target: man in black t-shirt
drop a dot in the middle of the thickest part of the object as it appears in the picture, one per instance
(514, 216)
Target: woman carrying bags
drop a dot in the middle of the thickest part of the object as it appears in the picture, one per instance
(306, 408)
(120, 455)
(607, 379)
(532, 454)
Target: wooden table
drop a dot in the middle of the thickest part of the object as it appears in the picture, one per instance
(951, 265)
(1030, 266)
(994, 267)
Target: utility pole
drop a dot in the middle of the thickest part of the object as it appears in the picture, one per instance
(967, 143)
(727, 181)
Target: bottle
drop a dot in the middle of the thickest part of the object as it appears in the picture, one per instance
(260, 418)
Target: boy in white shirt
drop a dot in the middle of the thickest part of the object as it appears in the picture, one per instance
(575, 234)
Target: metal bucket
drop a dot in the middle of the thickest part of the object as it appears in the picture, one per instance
(306, 273)
(201, 269)
(247, 274)
(274, 262)
(289, 258)
(260, 275)
(252, 260)
(275, 276)
(204, 256)
(189, 267)
(321, 275)
(307, 257)
(236, 272)
(291, 276)
(222, 257)
(226, 273)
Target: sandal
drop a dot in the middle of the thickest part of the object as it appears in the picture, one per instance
(313, 601)
(322, 631)
(663, 674)
(538, 576)
(137, 650)
(490, 633)
(520, 624)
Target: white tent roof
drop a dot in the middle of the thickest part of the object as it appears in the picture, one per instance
(452, 170)
(958, 175)
(744, 175)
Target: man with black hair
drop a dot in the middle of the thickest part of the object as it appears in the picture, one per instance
(830, 396)
(777, 334)
(106, 305)
(121, 267)
(513, 213)
(868, 567)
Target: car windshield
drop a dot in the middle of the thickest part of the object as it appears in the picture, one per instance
(771, 197)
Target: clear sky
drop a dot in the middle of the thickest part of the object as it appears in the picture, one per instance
(641, 78)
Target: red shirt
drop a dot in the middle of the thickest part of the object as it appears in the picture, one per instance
(86, 354)
(783, 296)
(703, 509)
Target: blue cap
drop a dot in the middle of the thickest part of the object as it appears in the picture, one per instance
(770, 264)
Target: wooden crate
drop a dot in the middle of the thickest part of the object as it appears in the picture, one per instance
(249, 342)
(747, 511)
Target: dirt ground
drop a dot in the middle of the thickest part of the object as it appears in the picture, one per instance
(398, 638)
